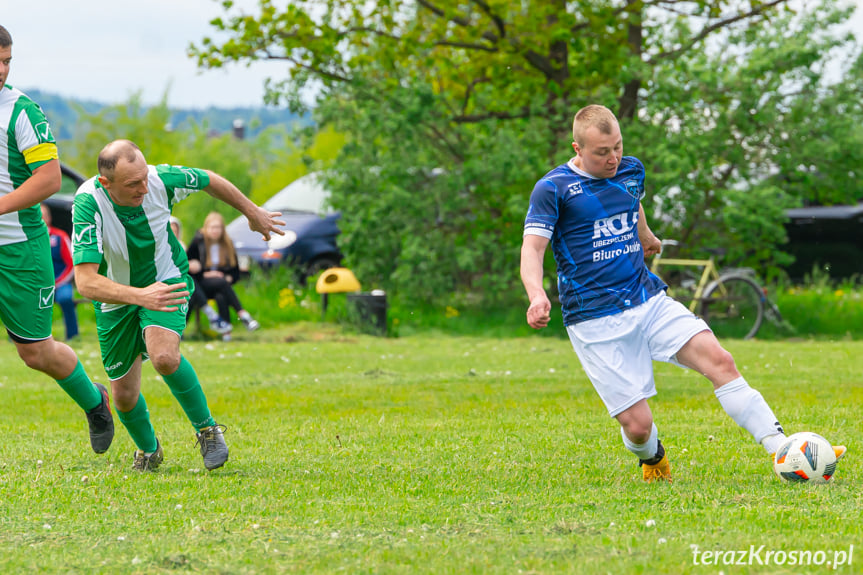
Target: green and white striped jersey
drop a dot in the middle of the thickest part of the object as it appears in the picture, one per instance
(134, 246)
(26, 142)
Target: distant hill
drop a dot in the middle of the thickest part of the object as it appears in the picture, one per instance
(63, 115)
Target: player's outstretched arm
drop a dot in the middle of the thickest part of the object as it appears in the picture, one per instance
(260, 220)
(157, 297)
(43, 183)
(532, 254)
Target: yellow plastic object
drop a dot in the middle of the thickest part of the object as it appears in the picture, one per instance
(337, 280)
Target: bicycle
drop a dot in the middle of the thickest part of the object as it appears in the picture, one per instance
(732, 302)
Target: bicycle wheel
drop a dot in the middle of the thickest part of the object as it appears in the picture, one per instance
(733, 307)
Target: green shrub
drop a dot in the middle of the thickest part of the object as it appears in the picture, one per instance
(275, 297)
(824, 308)
(817, 308)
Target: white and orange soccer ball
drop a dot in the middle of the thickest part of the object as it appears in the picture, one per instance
(805, 457)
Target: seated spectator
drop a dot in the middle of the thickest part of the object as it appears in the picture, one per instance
(213, 264)
(198, 299)
(64, 292)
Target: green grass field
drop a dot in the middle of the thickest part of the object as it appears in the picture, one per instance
(428, 454)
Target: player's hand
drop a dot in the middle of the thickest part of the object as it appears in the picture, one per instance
(539, 312)
(163, 297)
(265, 222)
(651, 245)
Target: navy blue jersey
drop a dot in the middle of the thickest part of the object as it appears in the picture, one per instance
(592, 226)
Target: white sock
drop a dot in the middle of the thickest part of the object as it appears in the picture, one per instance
(772, 443)
(210, 313)
(243, 314)
(646, 450)
(748, 409)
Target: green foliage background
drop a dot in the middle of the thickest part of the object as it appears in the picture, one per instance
(452, 110)
(259, 166)
(432, 129)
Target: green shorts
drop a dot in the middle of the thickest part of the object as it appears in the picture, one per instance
(121, 331)
(27, 289)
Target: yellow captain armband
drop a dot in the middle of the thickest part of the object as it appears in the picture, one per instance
(40, 154)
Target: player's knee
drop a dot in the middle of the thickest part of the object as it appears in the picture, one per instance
(124, 400)
(637, 431)
(166, 362)
(33, 357)
(724, 361)
(42, 355)
(636, 423)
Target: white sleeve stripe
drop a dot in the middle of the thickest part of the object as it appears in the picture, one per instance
(538, 231)
(24, 132)
(181, 194)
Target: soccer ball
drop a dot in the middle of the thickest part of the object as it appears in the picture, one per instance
(805, 457)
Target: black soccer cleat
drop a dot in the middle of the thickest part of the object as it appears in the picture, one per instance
(101, 422)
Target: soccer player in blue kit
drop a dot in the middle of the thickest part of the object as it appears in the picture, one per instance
(617, 314)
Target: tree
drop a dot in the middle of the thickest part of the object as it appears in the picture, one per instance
(148, 127)
(735, 131)
(453, 109)
(259, 166)
(484, 60)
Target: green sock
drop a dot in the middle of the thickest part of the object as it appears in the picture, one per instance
(137, 423)
(186, 388)
(81, 389)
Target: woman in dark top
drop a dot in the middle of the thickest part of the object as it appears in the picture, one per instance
(213, 265)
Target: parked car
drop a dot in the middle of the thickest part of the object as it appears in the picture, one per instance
(311, 229)
(828, 237)
(60, 203)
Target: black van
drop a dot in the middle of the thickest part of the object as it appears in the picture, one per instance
(829, 237)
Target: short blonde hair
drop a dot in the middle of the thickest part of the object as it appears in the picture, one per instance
(594, 115)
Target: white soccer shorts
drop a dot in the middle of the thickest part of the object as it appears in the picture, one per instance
(617, 351)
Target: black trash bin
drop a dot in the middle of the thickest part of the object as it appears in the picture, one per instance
(368, 311)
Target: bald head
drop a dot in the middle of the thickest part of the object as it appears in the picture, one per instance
(123, 172)
(113, 153)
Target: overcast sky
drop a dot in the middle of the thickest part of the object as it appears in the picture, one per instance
(106, 50)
